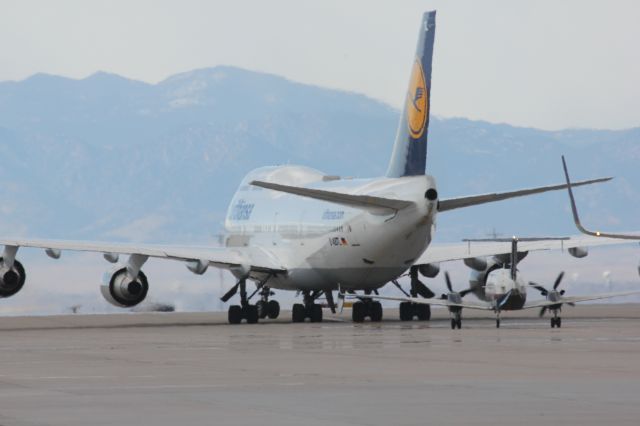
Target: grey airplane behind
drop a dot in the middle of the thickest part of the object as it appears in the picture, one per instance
(299, 229)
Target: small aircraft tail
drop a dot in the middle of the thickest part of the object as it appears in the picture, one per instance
(409, 155)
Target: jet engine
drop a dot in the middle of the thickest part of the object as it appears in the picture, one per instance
(429, 270)
(11, 279)
(579, 252)
(120, 290)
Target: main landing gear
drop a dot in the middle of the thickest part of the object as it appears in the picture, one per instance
(409, 311)
(366, 308)
(309, 309)
(251, 313)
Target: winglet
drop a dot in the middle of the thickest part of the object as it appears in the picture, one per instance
(576, 218)
(574, 209)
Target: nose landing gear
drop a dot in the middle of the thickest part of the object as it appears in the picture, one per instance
(456, 320)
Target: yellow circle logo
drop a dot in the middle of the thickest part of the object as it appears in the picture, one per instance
(417, 101)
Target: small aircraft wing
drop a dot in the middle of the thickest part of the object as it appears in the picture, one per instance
(223, 257)
(434, 302)
(577, 299)
(456, 251)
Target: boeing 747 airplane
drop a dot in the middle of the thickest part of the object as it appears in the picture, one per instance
(296, 228)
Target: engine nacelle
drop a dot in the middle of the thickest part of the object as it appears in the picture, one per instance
(579, 252)
(121, 291)
(476, 263)
(11, 279)
(198, 267)
(429, 270)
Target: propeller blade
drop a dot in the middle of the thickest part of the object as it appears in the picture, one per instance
(423, 290)
(543, 310)
(558, 280)
(448, 281)
(503, 299)
(463, 293)
(232, 291)
(538, 287)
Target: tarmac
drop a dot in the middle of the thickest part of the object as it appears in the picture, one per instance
(194, 369)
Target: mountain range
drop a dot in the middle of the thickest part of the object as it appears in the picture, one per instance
(110, 158)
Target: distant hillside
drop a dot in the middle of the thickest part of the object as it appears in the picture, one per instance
(111, 158)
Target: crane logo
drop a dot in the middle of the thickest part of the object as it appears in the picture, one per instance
(417, 101)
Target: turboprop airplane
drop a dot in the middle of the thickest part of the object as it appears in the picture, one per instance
(296, 228)
(502, 288)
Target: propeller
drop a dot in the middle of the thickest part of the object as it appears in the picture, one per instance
(558, 281)
(553, 295)
(452, 292)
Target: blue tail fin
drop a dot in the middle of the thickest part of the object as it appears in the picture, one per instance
(409, 155)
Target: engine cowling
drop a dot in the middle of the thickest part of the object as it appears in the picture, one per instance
(579, 252)
(429, 270)
(121, 291)
(476, 263)
(11, 279)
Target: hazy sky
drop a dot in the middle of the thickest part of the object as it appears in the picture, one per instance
(547, 64)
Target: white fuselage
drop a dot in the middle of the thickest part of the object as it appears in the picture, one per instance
(496, 282)
(323, 245)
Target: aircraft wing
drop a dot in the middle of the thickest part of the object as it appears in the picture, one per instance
(434, 302)
(457, 251)
(474, 200)
(577, 299)
(225, 257)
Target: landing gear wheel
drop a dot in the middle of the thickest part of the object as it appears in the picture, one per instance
(375, 311)
(553, 323)
(459, 323)
(263, 309)
(250, 312)
(454, 324)
(273, 309)
(423, 312)
(358, 312)
(559, 322)
(315, 313)
(498, 323)
(406, 311)
(298, 313)
(235, 314)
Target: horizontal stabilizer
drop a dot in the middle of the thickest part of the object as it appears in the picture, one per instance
(474, 200)
(361, 201)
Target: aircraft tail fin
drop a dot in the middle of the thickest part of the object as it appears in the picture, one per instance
(409, 156)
